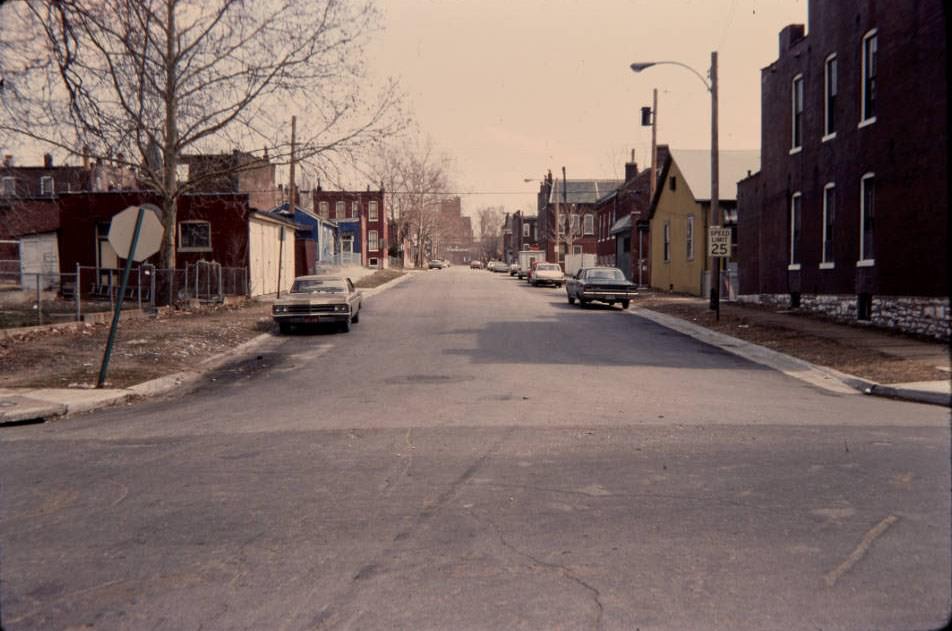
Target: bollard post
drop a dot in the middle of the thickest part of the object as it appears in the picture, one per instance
(76, 290)
(39, 306)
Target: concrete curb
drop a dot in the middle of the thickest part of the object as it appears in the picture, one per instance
(820, 376)
(373, 291)
(908, 394)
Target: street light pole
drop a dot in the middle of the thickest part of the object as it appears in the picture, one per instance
(715, 262)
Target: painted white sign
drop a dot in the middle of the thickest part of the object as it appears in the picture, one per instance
(718, 241)
(150, 234)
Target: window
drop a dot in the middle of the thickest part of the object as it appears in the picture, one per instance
(673, 183)
(525, 230)
(829, 218)
(667, 242)
(339, 210)
(690, 237)
(867, 215)
(195, 236)
(588, 224)
(868, 88)
(576, 249)
(46, 185)
(574, 224)
(323, 209)
(355, 210)
(796, 109)
(9, 187)
(372, 212)
(373, 262)
(372, 244)
(829, 95)
(794, 232)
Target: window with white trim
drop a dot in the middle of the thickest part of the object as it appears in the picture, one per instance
(690, 237)
(796, 112)
(195, 236)
(324, 209)
(525, 230)
(588, 224)
(339, 210)
(829, 97)
(666, 252)
(867, 195)
(868, 87)
(372, 213)
(795, 223)
(46, 185)
(372, 243)
(829, 220)
(355, 210)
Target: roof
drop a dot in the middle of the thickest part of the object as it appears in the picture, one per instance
(283, 212)
(622, 225)
(695, 166)
(582, 191)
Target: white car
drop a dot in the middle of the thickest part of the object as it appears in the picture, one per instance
(548, 274)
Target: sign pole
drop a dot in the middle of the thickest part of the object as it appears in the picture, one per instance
(122, 292)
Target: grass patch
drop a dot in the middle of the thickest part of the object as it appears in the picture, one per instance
(378, 278)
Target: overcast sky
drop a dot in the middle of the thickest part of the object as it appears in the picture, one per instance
(511, 88)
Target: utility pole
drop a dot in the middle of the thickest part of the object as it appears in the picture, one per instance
(292, 192)
(557, 224)
(715, 192)
(654, 143)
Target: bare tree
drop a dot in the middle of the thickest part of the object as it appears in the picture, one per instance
(491, 219)
(416, 178)
(142, 82)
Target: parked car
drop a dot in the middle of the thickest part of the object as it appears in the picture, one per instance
(547, 274)
(436, 264)
(475, 265)
(605, 284)
(513, 269)
(318, 300)
(500, 267)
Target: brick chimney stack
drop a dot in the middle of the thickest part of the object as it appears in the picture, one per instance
(7, 161)
(47, 161)
(631, 167)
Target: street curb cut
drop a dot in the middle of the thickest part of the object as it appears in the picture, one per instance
(821, 376)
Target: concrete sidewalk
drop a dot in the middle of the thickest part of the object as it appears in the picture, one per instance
(893, 345)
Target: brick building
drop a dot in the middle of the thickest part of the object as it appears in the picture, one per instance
(577, 214)
(525, 232)
(235, 172)
(362, 222)
(849, 213)
(454, 240)
(617, 241)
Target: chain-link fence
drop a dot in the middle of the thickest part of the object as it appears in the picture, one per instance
(28, 299)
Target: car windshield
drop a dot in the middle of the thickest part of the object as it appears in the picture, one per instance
(605, 274)
(318, 285)
(550, 267)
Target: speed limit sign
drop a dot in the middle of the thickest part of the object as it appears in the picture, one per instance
(718, 241)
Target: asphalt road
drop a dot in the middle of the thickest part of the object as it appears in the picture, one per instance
(477, 454)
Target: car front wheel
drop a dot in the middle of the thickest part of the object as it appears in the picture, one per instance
(284, 327)
(625, 304)
(571, 299)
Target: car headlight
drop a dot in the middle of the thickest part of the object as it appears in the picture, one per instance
(279, 309)
(340, 308)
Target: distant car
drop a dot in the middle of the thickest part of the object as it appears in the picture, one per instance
(318, 300)
(605, 284)
(547, 274)
(436, 264)
(513, 269)
(475, 265)
(501, 268)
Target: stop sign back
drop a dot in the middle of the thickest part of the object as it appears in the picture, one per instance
(150, 233)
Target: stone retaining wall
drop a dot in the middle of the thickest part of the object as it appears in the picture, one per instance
(911, 314)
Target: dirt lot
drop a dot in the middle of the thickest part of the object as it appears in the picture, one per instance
(145, 348)
(845, 348)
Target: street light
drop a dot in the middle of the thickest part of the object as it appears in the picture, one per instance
(715, 192)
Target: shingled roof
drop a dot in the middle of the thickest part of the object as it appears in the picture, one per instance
(582, 191)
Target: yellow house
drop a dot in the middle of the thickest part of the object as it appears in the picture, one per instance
(680, 210)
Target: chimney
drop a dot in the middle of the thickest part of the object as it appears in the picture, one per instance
(789, 36)
(7, 161)
(47, 161)
(631, 168)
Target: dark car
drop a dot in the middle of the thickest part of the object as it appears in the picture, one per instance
(604, 284)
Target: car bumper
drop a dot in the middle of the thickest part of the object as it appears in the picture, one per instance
(310, 318)
(608, 295)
